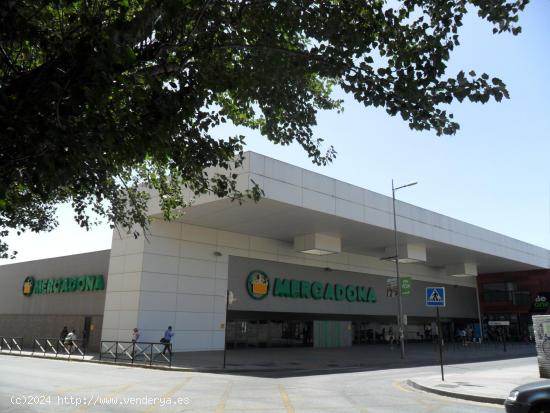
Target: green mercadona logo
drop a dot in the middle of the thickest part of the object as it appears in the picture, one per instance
(28, 285)
(257, 284)
(258, 287)
(63, 285)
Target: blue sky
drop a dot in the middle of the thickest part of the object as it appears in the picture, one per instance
(494, 172)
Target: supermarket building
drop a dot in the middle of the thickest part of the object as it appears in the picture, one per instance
(303, 267)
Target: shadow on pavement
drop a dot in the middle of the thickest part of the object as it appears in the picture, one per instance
(303, 361)
(308, 361)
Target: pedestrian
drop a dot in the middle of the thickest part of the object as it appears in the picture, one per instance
(63, 333)
(463, 336)
(135, 339)
(70, 339)
(391, 337)
(135, 335)
(427, 333)
(168, 334)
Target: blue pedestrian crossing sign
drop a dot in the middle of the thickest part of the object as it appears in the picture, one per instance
(435, 296)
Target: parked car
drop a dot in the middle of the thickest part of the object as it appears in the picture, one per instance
(529, 398)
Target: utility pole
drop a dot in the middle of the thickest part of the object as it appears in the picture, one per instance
(399, 303)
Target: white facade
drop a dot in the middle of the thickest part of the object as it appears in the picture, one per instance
(178, 275)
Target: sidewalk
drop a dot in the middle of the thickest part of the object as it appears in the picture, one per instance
(490, 385)
(356, 358)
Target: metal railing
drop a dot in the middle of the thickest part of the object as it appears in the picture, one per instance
(140, 352)
(488, 345)
(11, 344)
(55, 347)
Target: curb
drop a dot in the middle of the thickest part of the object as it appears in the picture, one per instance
(463, 396)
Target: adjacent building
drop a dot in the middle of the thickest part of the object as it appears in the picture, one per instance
(514, 297)
(39, 298)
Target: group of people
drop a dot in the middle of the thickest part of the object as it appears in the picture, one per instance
(465, 335)
(166, 339)
(68, 338)
(385, 336)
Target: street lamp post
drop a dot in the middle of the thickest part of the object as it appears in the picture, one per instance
(399, 303)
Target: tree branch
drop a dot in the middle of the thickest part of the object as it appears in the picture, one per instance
(8, 60)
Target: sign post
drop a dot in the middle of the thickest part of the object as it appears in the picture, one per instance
(440, 342)
(435, 297)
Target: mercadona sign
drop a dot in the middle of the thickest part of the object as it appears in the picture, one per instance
(63, 285)
(259, 286)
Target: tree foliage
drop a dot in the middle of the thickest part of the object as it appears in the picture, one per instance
(100, 99)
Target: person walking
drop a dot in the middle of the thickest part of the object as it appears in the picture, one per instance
(427, 333)
(70, 339)
(63, 333)
(135, 335)
(166, 340)
(463, 336)
(391, 337)
(135, 339)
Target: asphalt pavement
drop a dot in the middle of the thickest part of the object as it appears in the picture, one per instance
(44, 385)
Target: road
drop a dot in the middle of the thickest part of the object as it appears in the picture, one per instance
(39, 385)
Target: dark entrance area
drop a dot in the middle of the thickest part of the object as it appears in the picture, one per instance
(264, 329)
(259, 330)
(269, 333)
(86, 332)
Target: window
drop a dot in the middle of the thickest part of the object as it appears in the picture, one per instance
(521, 298)
(494, 292)
(505, 292)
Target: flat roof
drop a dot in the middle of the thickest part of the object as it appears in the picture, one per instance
(49, 261)
(298, 201)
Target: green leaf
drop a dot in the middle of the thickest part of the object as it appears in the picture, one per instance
(100, 104)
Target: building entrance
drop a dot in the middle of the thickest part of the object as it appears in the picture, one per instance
(289, 333)
(254, 329)
(251, 329)
(269, 333)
